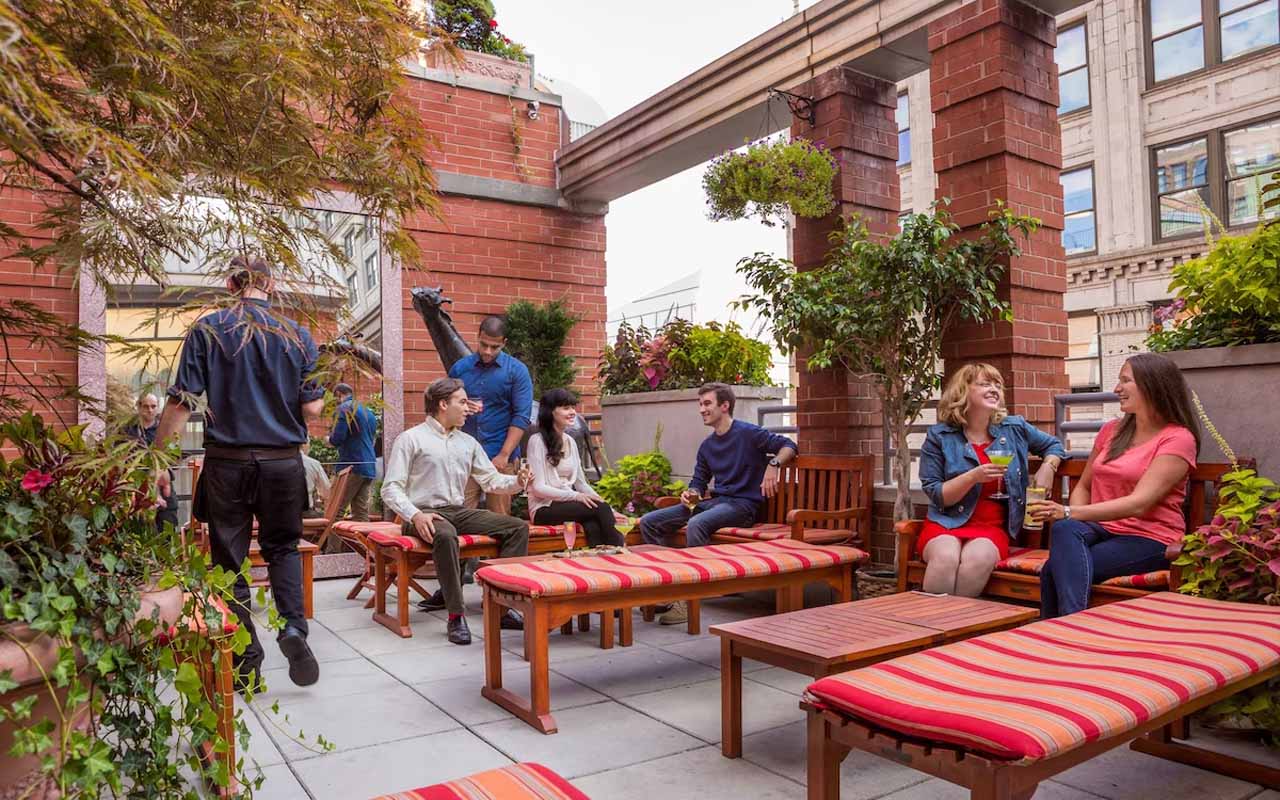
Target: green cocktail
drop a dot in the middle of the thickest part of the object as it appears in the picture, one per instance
(1002, 458)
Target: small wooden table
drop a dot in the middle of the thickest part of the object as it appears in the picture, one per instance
(823, 641)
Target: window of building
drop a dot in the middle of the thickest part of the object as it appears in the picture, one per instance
(1187, 35)
(349, 243)
(1252, 153)
(1072, 57)
(371, 271)
(902, 219)
(1080, 229)
(353, 290)
(369, 228)
(1222, 171)
(903, 116)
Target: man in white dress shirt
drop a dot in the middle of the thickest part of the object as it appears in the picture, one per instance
(425, 483)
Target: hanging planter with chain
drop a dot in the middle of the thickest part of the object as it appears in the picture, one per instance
(768, 179)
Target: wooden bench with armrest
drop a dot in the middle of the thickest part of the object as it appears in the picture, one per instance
(1018, 576)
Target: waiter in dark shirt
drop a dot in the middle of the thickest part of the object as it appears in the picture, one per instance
(255, 371)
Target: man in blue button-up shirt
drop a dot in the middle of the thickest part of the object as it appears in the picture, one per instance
(500, 394)
(354, 430)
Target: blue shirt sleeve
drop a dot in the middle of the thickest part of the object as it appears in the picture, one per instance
(310, 388)
(521, 396)
(701, 473)
(932, 469)
(340, 431)
(192, 379)
(767, 442)
(1042, 444)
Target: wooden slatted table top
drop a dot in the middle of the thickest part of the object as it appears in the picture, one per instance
(874, 628)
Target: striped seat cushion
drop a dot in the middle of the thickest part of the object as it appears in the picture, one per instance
(410, 542)
(1148, 580)
(771, 532)
(595, 574)
(516, 782)
(1049, 687)
(351, 527)
(536, 531)
(1026, 560)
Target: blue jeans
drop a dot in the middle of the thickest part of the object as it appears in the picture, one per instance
(706, 518)
(1084, 553)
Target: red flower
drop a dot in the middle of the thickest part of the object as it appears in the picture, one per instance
(35, 480)
(493, 23)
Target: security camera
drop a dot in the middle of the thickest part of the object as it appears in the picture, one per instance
(533, 106)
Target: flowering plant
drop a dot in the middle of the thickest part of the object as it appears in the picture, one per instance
(682, 355)
(474, 27)
(768, 179)
(637, 481)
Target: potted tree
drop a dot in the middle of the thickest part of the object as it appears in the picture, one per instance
(880, 309)
(1223, 331)
(649, 381)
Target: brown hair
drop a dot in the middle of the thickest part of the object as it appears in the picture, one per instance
(439, 392)
(954, 403)
(723, 393)
(1167, 394)
(249, 273)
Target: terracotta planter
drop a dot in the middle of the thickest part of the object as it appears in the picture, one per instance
(28, 666)
(1237, 387)
(629, 422)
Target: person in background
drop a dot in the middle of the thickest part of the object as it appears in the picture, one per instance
(425, 483)
(745, 462)
(317, 485)
(354, 429)
(1126, 510)
(256, 371)
(143, 430)
(967, 532)
(559, 492)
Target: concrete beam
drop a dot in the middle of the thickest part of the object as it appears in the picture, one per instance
(724, 104)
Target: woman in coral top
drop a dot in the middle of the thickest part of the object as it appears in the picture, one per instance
(968, 531)
(1127, 508)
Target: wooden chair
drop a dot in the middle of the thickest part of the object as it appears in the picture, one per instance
(325, 523)
(1018, 576)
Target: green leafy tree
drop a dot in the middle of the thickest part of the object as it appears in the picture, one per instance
(880, 309)
(473, 25)
(536, 335)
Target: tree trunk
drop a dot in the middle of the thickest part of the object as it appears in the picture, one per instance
(901, 470)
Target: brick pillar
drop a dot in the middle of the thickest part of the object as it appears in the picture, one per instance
(994, 91)
(839, 414)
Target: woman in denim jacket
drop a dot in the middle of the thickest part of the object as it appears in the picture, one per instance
(967, 532)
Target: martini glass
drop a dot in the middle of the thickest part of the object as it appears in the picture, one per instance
(1002, 456)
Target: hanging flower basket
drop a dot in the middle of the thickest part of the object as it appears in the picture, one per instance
(769, 179)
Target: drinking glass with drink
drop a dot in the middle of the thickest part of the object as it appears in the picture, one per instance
(570, 530)
(1001, 456)
(1035, 494)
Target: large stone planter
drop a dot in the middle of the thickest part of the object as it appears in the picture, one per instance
(1238, 387)
(629, 422)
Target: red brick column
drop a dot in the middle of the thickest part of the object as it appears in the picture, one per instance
(994, 91)
(839, 414)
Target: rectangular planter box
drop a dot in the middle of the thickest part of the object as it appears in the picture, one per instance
(629, 422)
(1237, 387)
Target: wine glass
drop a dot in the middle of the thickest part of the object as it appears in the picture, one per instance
(570, 530)
(1001, 455)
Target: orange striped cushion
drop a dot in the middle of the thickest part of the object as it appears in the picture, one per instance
(1148, 580)
(516, 782)
(551, 530)
(1047, 688)
(761, 533)
(352, 527)
(1024, 559)
(410, 542)
(774, 531)
(593, 574)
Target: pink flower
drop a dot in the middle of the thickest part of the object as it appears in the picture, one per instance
(35, 480)
(493, 23)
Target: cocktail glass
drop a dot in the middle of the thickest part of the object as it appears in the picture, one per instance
(1002, 457)
(570, 530)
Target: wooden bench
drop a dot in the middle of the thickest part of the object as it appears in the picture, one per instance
(1018, 576)
(524, 781)
(551, 593)
(1000, 713)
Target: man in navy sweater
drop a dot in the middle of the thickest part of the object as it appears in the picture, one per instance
(744, 460)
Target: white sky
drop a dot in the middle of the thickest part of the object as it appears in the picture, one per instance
(621, 52)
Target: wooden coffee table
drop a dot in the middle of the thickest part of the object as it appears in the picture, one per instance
(823, 641)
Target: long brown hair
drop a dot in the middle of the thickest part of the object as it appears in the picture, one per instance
(1166, 392)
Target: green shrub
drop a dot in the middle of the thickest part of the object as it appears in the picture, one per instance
(680, 356)
(474, 27)
(637, 481)
(536, 335)
(770, 179)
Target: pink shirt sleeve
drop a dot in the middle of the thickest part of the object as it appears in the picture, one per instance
(1176, 440)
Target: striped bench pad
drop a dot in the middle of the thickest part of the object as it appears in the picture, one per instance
(772, 531)
(1027, 560)
(595, 574)
(1049, 687)
(1148, 580)
(410, 542)
(352, 527)
(516, 782)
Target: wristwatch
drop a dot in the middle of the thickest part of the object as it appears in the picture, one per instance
(774, 462)
(1066, 512)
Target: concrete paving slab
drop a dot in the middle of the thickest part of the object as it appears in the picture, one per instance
(560, 648)
(936, 789)
(397, 766)
(422, 665)
(353, 616)
(278, 783)
(703, 774)
(592, 739)
(635, 670)
(359, 721)
(706, 650)
(375, 640)
(862, 776)
(695, 709)
(1111, 775)
(262, 751)
(464, 703)
(324, 643)
(337, 679)
(782, 679)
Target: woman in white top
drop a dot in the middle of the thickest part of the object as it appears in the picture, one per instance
(559, 492)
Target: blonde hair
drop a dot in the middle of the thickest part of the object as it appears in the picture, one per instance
(954, 404)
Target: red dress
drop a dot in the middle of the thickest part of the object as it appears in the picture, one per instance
(988, 522)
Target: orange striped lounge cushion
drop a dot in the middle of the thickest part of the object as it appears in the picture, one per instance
(594, 574)
(352, 527)
(1147, 580)
(1042, 690)
(410, 542)
(773, 531)
(1025, 560)
(536, 531)
(516, 782)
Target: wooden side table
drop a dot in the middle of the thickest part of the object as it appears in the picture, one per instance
(823, 641)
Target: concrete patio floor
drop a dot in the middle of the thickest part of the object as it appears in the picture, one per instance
(639, 722)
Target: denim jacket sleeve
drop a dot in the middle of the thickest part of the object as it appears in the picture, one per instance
(1042, 444)
(932, 468)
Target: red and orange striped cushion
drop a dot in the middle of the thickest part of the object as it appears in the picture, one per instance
(771, 532)
(594, 574)
(767, 532)
(352, 527)
(1047, 688)
(1025, 560)
(410, 542)
(1147, 580)
(536, 531)
(516, 782)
